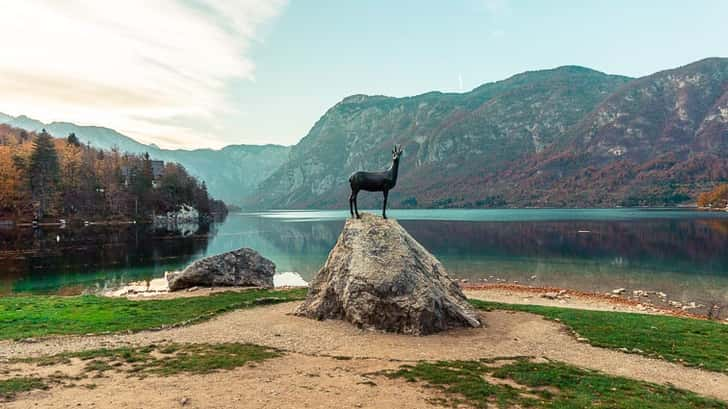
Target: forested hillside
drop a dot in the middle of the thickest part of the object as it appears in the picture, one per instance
(46, 177)
(231, 173)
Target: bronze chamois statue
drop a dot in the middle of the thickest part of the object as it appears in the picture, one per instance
(375, 182)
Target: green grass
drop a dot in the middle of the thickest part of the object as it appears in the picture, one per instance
(692, 342)
(544, 385)
(164, 360)
(12, 386)
(205, 358)
(38, 316)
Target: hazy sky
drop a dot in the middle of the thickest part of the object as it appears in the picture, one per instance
(208, 73)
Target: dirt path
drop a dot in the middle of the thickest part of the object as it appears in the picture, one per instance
(506, 334)
(291, 382)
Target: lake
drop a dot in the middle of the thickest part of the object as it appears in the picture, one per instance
(681, 252)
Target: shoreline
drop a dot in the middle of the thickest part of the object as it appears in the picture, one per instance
(497, 292)
(572, 298)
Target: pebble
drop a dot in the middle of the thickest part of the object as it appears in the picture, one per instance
(619, 290)
(184, 401)
(550, 295)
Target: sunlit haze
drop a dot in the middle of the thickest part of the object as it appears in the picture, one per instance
(208, 73)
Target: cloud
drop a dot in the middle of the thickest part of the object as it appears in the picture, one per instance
(132, 65)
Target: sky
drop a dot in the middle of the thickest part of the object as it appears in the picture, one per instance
(209, 73)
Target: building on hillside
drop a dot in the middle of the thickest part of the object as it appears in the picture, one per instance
(157, 172)
(157, 169)
(128, 172)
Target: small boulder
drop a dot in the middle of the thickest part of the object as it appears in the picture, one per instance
(377, 276)
(240, 268)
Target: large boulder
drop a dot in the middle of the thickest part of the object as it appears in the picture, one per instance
(243, 267)
(378, 277)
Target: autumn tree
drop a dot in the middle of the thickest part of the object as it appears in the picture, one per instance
(716, 198)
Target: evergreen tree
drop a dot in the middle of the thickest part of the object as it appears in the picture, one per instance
(43, 172)
(141, 185)
(73, 140)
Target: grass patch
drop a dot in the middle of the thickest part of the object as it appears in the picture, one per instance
(545, 385)
(463, 382)
(38, 316)
(165, 360)
(10, 387)
(688, 341)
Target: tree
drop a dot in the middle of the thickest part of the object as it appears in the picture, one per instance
(43, 171)
(73, 140)
(716, 198)
(141, 184)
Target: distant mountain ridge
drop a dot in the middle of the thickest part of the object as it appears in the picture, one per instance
(230, 173)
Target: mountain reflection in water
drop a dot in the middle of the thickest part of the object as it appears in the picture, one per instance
(678, 252)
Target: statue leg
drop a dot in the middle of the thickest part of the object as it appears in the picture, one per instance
(356, 207)
(384, 208)
(351, 203)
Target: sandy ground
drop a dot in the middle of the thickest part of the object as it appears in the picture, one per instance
(310, 376)
(294, 381)
(555, 297)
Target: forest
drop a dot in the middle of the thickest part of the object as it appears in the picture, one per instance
(46, 178)
(716, 198)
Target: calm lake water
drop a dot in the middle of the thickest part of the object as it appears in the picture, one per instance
(681, 252)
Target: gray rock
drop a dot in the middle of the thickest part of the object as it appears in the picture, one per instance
(243, 267)
(378, 277)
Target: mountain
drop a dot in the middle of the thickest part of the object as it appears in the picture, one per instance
(230, 173)
(445, 137)
(233, 172)
(658, 140)
(569, 136)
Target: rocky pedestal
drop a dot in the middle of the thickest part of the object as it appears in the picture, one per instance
(378, 277)
(243, 267)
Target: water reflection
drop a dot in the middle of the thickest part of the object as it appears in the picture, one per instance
(72, 259)
(681, 253)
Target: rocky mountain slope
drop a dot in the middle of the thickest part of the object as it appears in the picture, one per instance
(563, 137)
(445, 136)
(659, 140)
(231, 173)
